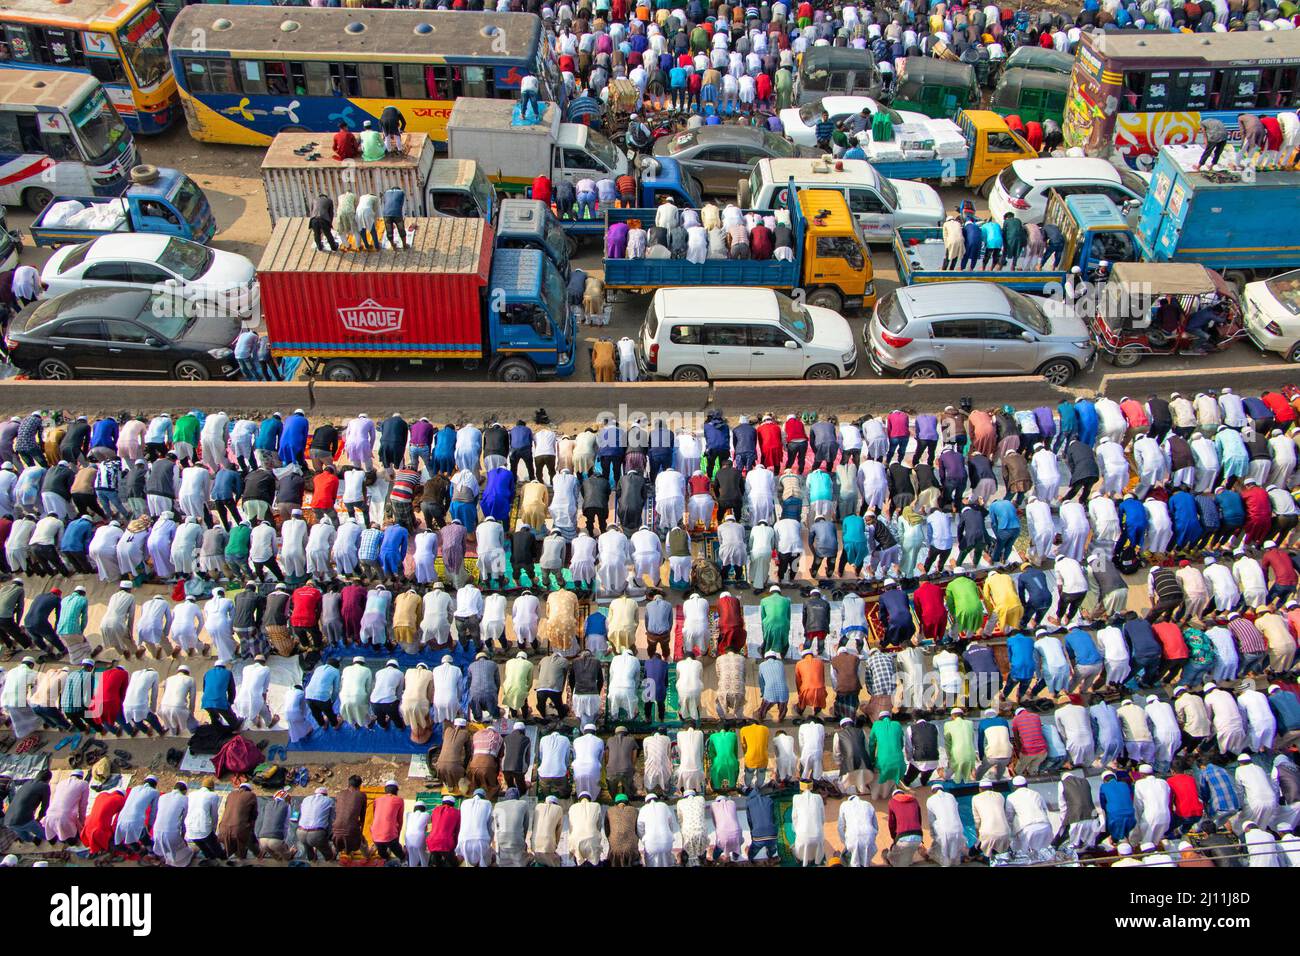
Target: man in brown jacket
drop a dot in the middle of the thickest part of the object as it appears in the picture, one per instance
(349, 816)
(620, 827)
(846, 677)
(235, 829)
(454, 753)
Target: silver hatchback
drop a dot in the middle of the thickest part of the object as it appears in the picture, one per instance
(975, 329)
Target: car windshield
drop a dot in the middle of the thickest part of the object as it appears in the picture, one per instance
(1026, 311)
(891, 314)
(189, 260)
(99, 126)
(599, 146)
(1286, 289)
(778, 146)
(76, 257)
(811, 113)
(144, 45)
(1133, 182)
(188, 199)
(888, 193)
(794, 318)
(159, 315)
(680, 142)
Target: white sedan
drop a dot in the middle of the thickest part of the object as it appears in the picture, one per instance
(205, 282)
(800, 122)
(1272, 308)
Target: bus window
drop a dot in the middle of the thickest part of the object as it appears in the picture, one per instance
(251, 78)
(106, 70)
(28, 134)
(440, 84)
(210, 75)
(11, 143)
(18, 43)
(476, 81)
(318, 78)
(1240, 89)
(277, 78)
(411, 81)
(371, 80)
(1277, 88)
(344, 79)
(59, 146)
(1135, 85)
(1198, 89)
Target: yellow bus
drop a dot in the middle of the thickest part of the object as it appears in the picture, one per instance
(122, 43)
(246, 73)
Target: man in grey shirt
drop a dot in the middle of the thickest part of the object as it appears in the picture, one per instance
(272, 827)
(658, 626)
(512, 818)
(484, 685)
(552, 674)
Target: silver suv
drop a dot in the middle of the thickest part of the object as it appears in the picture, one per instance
(975, 329)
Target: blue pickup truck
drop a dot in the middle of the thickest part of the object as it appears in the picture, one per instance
(160, 201)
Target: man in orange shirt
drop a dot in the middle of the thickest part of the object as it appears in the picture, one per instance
(810, 682)
(386, 824)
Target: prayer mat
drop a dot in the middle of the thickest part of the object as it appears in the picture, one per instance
(357, 740)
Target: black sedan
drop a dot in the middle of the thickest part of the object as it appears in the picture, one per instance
(120, 333)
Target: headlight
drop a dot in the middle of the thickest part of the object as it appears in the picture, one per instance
(848, 356)
(870, 289)
(564, 358)
(219, 353)
(1081, 343)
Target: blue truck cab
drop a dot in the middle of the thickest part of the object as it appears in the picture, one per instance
(168, 203)
(530, 224)
(531, 334)
(1238, 222)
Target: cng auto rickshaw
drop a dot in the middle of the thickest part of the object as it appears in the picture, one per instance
(937, 88)
(1163, 308)
(1033, 95)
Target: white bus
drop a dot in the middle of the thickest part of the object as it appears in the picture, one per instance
(59, 136)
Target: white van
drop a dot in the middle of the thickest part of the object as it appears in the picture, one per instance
(693, 334)
(879, 205)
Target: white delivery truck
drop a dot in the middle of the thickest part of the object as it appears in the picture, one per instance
(512, 156)
(879, 205)
(298, 167)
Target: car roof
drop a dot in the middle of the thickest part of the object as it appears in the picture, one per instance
(709, 135)
(848, 103)
(136, 246)
(952, 300)
(1061, 168)
(730, 304)
(812, 171)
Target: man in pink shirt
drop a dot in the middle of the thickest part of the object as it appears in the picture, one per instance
(386, 824)
(898, 426)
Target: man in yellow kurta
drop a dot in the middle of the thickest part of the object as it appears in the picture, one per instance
(603, 363)
(622, 623)
(959, 738)
(1003, 602)
(516, 684)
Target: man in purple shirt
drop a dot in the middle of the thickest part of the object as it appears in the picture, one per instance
(616, 241)
(521, 448)
(1046, 424)
(420, 441)
(927, 437)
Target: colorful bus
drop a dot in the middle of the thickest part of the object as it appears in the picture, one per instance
(246, 73)
(121, 43)
(59, 133)
(1134, 92)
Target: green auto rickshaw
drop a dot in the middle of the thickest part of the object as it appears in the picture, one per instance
(1033, 95)
(938, 88)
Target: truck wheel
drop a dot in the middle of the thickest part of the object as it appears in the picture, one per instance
(826, 299)
(341, 370)
(1125, 358)
(1058, 371)
(1237, 278)
(191, 372)
(54, 370)
(571, 245)
(690, 373)
(1294, 354)
(36, 199)
(925, 370)
(986, 187)
(821, 373)
(516, 371)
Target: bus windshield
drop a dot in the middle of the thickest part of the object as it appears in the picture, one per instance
(99, 127)
(144, 45)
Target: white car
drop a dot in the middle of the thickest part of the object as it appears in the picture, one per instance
(700, 334)
(800, 122)
(1023, 187)
(208, 282)
(1272, 308)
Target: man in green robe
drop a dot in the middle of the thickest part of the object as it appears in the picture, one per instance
(516, 684)
(724, 760)
(886, 747)
(774, 614)
(959, 738)
(783, 85)
(965, 609)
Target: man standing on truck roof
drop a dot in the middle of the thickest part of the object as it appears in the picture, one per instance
(394, 203)
(528, 97)
(322, 223)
